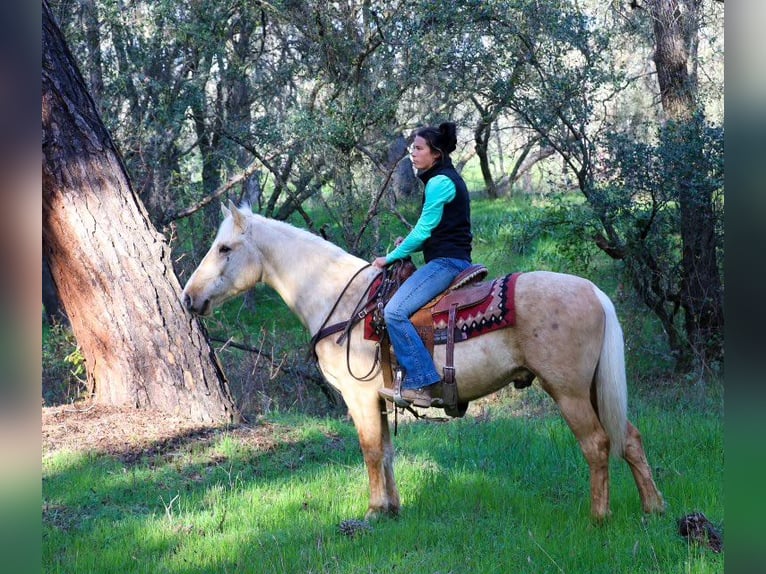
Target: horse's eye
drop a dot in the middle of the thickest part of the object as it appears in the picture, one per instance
(224, 249)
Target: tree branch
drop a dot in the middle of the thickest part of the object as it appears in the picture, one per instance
(175, 215)
(373, 209)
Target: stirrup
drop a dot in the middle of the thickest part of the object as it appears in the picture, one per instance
(399, 400)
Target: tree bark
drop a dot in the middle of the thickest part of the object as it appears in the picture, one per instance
(671, 59)
(701, 291)
(112, 269)
(481, 139)
(481, 135)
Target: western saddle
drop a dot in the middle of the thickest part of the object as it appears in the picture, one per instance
(465, 290)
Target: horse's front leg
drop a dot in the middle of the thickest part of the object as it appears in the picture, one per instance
(371, 421)
(392, 492)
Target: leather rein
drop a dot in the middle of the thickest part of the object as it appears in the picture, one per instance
(362, 309)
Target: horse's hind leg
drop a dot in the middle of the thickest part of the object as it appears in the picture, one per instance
(594, 443)
(651, 498)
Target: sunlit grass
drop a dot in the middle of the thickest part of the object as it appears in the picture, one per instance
(506, 490)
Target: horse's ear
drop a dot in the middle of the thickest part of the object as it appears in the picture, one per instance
(239, 219)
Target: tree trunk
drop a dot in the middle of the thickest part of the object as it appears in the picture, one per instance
(701, 290)
(112, 268)
(481, 138)
(671, 58)
(701, 296)
(481, 135)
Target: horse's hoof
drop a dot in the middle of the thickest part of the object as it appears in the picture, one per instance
(657, 507)
(374, 514)
(600, 518)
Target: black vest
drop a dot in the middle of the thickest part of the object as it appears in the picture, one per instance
(452, 236)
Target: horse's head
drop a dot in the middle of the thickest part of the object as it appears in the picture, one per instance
(230, 267)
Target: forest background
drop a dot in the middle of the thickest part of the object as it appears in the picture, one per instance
(607, 119)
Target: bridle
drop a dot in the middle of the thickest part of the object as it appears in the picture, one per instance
(364, 306)
(357, 315)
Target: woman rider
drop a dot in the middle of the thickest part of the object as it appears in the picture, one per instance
(443, 234)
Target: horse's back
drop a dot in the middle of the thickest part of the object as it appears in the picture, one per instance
(560, 324)
(553, 285)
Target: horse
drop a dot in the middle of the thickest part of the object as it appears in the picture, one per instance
(567, 336)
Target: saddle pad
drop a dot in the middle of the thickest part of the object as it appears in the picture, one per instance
(494, 311)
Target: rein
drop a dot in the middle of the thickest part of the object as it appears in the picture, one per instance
(361, 310)
(357, 315)
(325, 331)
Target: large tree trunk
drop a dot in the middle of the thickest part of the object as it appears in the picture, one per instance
(701, 296)
(671, 58)
(112, 268)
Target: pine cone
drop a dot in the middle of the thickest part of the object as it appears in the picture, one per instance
(352, 527)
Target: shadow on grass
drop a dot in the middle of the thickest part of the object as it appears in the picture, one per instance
(190, 462)
(496, 492)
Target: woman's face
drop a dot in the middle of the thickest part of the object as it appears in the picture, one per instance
(421, 154)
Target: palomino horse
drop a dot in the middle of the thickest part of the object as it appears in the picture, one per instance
(566, 335)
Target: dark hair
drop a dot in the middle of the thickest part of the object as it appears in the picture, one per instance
(442, 139)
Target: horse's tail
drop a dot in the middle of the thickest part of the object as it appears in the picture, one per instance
(611, 384)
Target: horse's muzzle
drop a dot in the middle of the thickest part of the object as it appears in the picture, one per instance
(188, 302)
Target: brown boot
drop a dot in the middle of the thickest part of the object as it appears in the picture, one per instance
(415, 397)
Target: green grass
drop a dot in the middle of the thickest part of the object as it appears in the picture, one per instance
(503, 492)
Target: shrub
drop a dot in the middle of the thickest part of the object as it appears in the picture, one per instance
(63, 366)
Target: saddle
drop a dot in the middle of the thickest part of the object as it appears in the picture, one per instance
(462, 290)
(468, 308)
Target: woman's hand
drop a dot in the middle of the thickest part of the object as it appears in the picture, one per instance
(379, 262)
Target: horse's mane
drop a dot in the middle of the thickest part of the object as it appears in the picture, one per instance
(290, 229)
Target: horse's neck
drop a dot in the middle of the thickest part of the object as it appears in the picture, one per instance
(307, 272)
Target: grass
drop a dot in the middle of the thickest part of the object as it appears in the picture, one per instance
(506, 491)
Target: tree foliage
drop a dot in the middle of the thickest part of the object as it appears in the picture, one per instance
(288, 104)
(647, 208)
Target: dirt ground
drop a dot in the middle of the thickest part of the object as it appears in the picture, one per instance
(129, 433)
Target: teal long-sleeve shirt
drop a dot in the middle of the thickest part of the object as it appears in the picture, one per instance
(439, 191)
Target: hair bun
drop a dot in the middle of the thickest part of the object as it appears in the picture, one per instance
(448, 132)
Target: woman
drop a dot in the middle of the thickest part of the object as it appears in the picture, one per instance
(443, 234)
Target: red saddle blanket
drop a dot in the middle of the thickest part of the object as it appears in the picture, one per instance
(481, 308)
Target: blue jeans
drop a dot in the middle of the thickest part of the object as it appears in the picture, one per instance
(422, 286)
